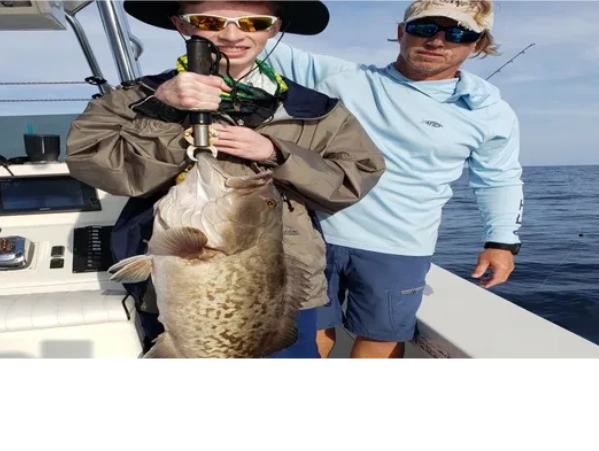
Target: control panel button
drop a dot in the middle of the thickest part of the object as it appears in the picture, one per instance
(57, 251)
(56, 263)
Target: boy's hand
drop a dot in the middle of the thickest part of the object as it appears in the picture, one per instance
(242, 142)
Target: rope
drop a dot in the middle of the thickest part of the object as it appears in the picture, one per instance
(17, 83)
(43, 100)
(90, 81)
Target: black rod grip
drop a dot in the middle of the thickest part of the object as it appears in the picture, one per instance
(199, 60)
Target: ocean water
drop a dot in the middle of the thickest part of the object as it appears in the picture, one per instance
(557, 269)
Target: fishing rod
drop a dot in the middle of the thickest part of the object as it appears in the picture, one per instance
(511, 60)
(199, 60)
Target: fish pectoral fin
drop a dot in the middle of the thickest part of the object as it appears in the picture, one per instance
(132, 269)
(183, 242)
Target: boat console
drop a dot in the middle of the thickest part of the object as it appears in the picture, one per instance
(56, 298)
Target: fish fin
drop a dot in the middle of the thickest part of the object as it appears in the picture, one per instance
(163, 348)
(284, 337)
(131, 269)
(180, 241)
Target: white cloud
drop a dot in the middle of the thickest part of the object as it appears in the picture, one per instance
(592, 54)
(550, 30)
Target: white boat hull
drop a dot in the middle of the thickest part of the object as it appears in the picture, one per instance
(110, 340)
(458, 319)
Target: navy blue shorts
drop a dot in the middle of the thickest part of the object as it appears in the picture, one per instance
(383, 293)
(305, 347)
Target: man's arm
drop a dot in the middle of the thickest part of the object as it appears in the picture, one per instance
(495, 177)
(115, 149)
(305, 68)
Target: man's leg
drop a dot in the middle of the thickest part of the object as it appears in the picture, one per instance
(330, 316)
(326, 339)
(366, 348)
(305, 347)
(385, 292)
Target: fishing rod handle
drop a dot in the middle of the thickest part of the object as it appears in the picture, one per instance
(199, 60)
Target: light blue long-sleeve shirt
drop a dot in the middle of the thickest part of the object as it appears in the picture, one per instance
(426, 130)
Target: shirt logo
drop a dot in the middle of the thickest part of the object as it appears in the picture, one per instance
(432, 124)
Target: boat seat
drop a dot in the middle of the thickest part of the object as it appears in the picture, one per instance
(47, 310)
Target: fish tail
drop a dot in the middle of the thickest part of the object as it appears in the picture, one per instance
(164, 348)
(285, 336)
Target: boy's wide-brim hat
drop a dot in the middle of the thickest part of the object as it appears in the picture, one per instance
(298, 17)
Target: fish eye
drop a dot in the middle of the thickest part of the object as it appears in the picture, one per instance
(271, 203)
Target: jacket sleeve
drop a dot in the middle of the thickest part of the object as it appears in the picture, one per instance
(496, 179)
(335, 174)
(113, 148)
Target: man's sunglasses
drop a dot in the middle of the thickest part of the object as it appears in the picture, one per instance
(204, 22)
(454, 33)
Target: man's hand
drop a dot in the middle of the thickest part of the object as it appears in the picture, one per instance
(500, 261)
(242, 142)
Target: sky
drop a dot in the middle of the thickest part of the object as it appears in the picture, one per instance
(553, 87)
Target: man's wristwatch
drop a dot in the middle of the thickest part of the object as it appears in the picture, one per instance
(513, 248)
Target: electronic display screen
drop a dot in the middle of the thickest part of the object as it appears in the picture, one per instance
(53, 193)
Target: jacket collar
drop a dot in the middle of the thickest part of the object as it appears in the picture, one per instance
(303, 103)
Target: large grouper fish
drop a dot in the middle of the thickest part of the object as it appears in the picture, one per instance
(216, 262)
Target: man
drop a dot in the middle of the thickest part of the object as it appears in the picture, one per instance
(131, 142)
(429, 117)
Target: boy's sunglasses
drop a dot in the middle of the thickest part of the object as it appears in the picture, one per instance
(454, 33)
(204, 22)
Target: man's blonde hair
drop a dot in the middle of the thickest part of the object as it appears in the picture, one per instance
(487, 45)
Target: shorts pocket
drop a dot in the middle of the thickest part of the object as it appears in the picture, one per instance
(412, 290)
(403, 306)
